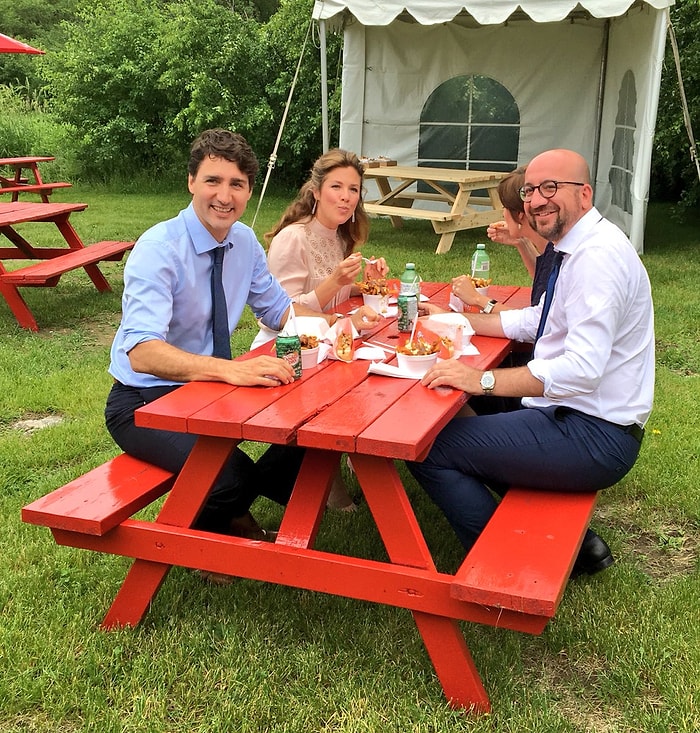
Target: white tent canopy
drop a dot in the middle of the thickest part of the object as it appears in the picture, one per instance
(581, 75)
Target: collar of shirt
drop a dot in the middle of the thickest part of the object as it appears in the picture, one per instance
(201, 237)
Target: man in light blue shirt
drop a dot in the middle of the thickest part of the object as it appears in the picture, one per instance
(165, 337)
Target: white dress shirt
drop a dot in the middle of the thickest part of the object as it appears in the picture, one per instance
(596, 354)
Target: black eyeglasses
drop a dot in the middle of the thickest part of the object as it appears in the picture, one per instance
(547, 189)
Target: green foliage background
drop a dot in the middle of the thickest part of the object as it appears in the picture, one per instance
(126, 85)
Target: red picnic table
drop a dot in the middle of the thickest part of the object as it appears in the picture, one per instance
(47, 263)
(334, 408)
(19, 181)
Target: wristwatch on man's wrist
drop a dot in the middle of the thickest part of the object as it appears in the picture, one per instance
(488, 382)
(489, 306)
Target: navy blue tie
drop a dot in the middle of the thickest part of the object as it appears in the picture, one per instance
(219, 314)
(549, 294)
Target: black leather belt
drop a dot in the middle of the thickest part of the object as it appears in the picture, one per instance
(636, 431)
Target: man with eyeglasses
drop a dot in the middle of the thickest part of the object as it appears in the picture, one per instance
(588, 391)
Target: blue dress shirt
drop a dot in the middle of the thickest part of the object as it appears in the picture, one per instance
(167, 293)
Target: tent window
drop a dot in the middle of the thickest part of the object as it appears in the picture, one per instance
(623, 144)
(470, 122)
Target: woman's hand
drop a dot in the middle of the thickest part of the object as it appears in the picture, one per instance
(375, 269)
(498, 232)
(348, 270)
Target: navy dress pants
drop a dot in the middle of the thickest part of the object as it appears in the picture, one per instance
(241, 481)
(474, 460)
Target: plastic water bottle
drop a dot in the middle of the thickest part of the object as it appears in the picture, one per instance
(409, 281)
(409, 293)
(481, 263)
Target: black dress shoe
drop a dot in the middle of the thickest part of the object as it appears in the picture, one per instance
(594, 556)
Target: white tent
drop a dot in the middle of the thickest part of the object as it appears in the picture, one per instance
(580, 75)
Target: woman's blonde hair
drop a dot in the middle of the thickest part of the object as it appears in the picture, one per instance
(355, 230)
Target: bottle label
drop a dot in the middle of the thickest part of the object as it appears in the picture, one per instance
(408, 312)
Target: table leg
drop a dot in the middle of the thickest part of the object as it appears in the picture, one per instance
(306, 507)
(74, 242)
(405, 544)
(17, 304)
(183, 504)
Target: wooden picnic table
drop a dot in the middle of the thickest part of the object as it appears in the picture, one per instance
(335, 408)
(25, 177)
(47, 263)
(459, 209)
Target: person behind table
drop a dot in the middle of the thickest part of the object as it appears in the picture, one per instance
(165, 336)
(515, 230)
(312, 252)
(588, 391)
(313, 248)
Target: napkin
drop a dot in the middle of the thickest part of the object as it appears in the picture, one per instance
(390, 370)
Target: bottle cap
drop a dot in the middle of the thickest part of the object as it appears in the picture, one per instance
(481, 246)
(410, 265)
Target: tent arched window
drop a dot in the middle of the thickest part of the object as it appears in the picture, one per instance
(472, 122)
(623, 144)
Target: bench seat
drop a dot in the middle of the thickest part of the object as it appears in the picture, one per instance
(404, 211)
(34, 187)
(47, 272)
(101, 499)
(523, 558)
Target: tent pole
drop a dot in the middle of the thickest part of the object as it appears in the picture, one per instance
(601, 96)
(324, 85)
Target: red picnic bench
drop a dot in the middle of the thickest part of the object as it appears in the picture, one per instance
(514, 577)
(47, 264)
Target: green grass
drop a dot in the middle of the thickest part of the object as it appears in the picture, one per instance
(623, 653)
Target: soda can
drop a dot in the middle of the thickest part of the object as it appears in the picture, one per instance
(407, 312)
(289, 349)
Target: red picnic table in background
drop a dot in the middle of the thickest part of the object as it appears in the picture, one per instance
(48, 263)
(22, 176)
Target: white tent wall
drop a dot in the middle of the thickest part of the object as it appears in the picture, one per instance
(553, 71)
(636, 44)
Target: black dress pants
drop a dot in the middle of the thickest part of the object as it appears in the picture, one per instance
(241, 481)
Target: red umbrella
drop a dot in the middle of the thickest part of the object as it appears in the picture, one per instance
(9, 45)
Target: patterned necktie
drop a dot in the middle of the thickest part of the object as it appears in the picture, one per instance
(219, 314)
(549, 294)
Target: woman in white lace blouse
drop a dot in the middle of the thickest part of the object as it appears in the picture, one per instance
(312, 250)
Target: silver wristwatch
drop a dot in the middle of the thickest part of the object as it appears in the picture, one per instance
(489, 306)
(488, 382)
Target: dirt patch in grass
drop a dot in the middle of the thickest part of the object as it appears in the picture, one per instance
(28, 425)
(668, 549)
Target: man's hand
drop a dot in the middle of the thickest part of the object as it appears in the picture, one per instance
(365, 318)
(453, 373)
(265, 371)
(170, 363)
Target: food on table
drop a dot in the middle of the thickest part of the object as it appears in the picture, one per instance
(480, 282)
(447, 348)
(374, 287)
(344, 346)
(308, 342)
(420, 346)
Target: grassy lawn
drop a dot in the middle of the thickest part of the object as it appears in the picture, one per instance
(623, 653)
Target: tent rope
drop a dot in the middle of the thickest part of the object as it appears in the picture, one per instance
(273, 155)
(684, 101)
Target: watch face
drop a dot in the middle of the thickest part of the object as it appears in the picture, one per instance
(487, 380)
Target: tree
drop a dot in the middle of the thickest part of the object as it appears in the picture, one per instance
(674, 175)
